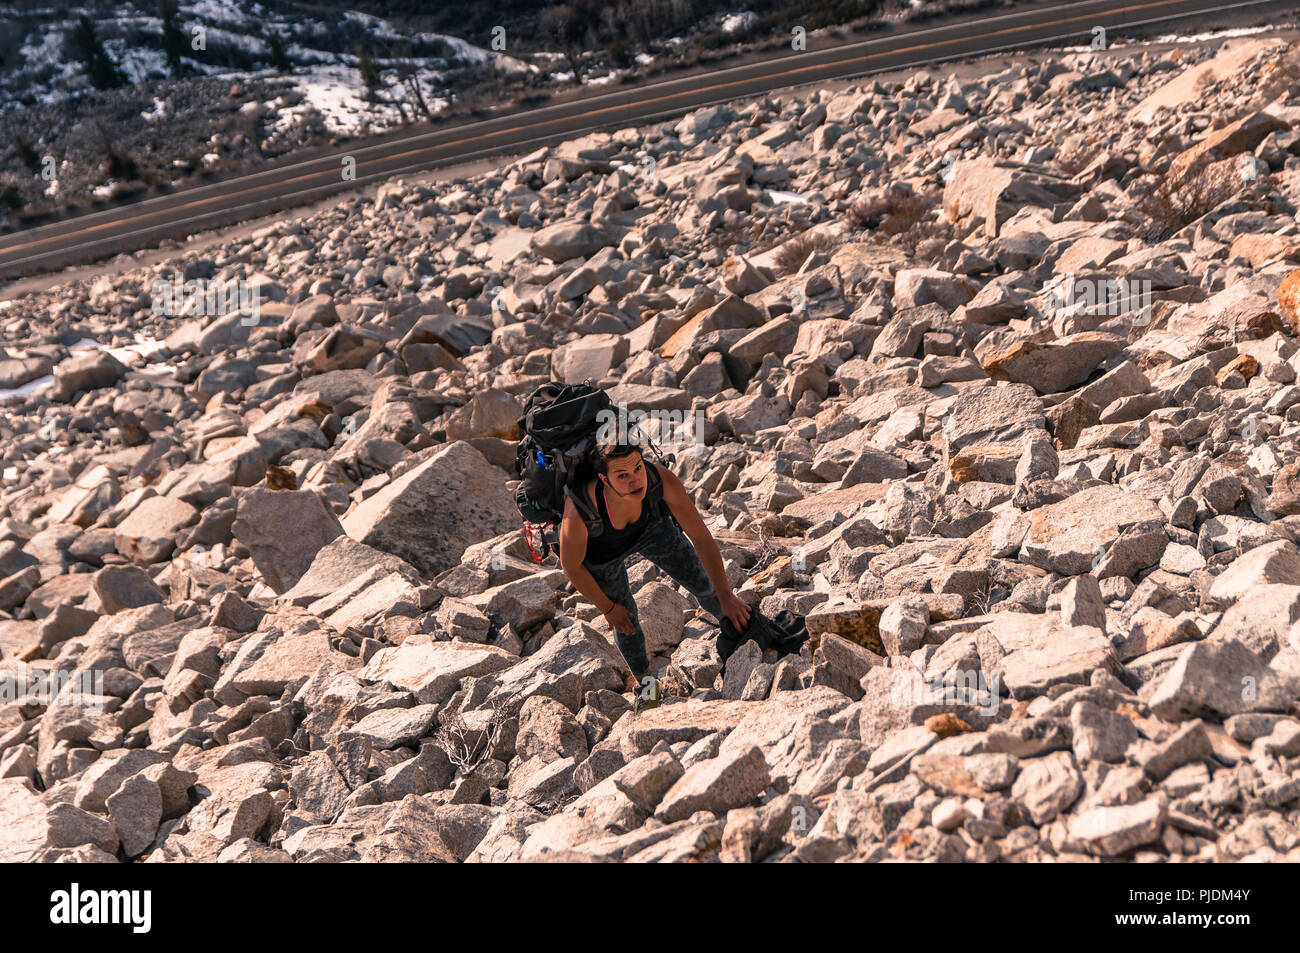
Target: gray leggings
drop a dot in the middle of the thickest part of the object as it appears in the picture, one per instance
(665, 545)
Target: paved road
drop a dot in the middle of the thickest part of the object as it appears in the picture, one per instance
(129, 227)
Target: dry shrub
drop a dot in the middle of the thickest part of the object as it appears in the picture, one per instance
(796, 251)
(467, 747)
(1075, 161)
(915, 225)
(893, 209)
(1178, 201)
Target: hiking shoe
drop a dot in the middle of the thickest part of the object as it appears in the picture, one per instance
(647, 696)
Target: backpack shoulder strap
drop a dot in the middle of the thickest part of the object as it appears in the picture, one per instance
(595, 526)
(654, 494)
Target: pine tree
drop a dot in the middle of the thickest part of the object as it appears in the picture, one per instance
(104, 73)
(370, 72)
(275, 45)
(27, 154)
(173, 38)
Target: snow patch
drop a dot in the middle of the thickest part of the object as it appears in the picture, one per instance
(337, 93)
(31, 387)
(1213, 35)
(739, 22)
(780, 197)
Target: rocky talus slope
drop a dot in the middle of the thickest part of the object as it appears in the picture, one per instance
(1045, 536)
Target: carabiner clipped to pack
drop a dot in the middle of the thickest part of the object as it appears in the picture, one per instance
(541, 459)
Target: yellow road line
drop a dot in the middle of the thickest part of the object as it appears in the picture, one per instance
(596, 112)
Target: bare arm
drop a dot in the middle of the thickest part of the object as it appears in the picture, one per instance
(683, 508)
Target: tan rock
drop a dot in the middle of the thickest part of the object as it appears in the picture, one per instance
(1244, 364)
(858, 623)
(1051, 368)
(1236, 137)
(1262, 250)
(1288, 300)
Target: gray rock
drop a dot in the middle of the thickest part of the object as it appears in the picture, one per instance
(521, 604)
(392, 727)
(338, 562)
(462, 620)
(433, 671)
(739, 666)
(125, 587)
(284, 530)
(903, 625)
(1215, 680)
(15, 589)
(318, 788)
(564, 240)
(543, 783)
(1270, 564)
(1112, 831)
(647, 779)
(549, 731)
(431, 512)
(1082, 603)
(574, 661)
(418, 830)
(90, 370)
(70, 826)
(1067, 537)
(136, 809)
(1048, 785)
(148, 534)
(1100, 735)
(1038, 459)
(993, 415)
(1188, 744)
(845, 664)
(106, 775)
(249, 851)
(1069, 657)
(174, 785)
(728, 781)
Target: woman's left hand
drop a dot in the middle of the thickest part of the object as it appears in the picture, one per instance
(735, 609)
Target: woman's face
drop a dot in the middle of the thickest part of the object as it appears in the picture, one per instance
(626, 475)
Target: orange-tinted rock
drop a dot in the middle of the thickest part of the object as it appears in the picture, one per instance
(963, 470)
(946, 725)
(1244, 364)
(1262, 250)
(1288, 299)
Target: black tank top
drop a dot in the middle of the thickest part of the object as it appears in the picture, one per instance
(614, 543)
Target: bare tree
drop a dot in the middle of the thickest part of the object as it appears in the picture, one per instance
(408, 76)
(559, 25)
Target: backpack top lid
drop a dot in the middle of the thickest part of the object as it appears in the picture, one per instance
(557, 414)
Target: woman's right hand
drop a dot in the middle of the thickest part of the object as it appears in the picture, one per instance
(619, 619)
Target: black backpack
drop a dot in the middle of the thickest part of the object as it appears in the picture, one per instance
(786, 633)
(558, 437)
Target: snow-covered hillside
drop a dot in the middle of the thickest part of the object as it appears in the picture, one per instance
(253, 83)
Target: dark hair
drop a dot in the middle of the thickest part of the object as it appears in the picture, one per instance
(604, 453)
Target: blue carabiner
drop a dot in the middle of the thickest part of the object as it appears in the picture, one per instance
(541, 460)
